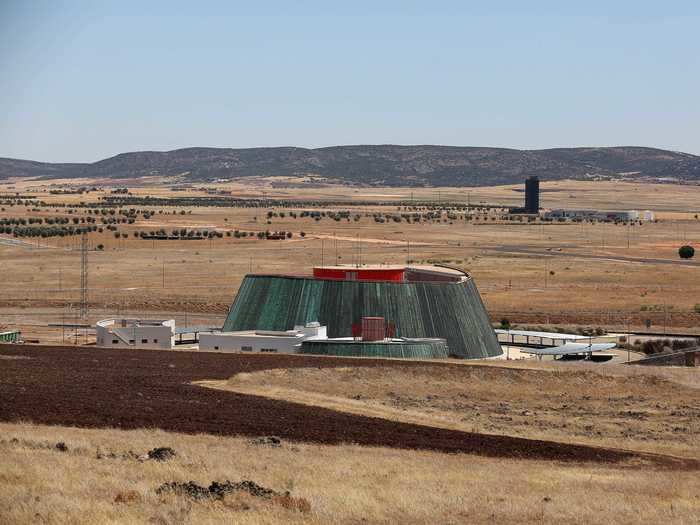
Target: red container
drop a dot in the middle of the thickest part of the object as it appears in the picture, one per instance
(373, 329)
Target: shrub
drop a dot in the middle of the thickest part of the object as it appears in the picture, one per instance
(686, 252)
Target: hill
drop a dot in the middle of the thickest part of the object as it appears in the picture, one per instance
(380, 164)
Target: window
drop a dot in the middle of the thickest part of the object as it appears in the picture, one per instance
(247, 348)
(115, 341)
(144, 340)
(155, 340)
(131, 341)
(216, 348)
(268, 350)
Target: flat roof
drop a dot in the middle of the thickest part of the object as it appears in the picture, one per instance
(345, 267)
(394, 341)
(546, 335)
(393, 267)
(132, 321)
(262, 334)
(571, 348)
(193, 329)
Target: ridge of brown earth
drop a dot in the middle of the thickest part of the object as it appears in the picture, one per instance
(128, 389)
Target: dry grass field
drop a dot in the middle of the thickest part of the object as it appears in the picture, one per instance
(99, 479)
(596, 274)
(58, 474)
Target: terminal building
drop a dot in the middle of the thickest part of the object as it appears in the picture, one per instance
(425, 311)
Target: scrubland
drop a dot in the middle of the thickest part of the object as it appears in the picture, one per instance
(341, 484)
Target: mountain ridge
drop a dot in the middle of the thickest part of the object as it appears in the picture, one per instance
(381, 164)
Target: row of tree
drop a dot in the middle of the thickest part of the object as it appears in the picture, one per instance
(47, 231)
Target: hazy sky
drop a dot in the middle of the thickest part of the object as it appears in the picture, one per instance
(80, 81)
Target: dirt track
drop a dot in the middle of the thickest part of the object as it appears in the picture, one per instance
(92, 387)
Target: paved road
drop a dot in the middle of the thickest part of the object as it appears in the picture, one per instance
(8, 241)
(643, 260)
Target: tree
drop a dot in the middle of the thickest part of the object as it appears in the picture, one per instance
(505, 323)
(686, 252)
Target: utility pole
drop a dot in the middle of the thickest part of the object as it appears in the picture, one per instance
(628, 235)
(84, 276)
(628, 338)
(665, 317)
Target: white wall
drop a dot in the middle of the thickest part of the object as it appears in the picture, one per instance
(260, 341)
(139, 336)
(248, 341)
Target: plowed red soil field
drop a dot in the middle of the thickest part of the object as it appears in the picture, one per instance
(93, 387)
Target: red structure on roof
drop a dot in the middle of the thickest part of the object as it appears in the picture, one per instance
(373, 329)
(364, 273)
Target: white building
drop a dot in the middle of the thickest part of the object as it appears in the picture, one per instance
(288, 341)
(138, 333)
(598, 215)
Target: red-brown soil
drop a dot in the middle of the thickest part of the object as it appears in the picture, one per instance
(94, 387)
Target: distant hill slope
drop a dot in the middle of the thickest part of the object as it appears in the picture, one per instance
(382, 164)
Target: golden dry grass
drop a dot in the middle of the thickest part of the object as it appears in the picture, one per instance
(344, 484)
(646, 409)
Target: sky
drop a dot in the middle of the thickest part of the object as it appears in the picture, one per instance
(82, 81)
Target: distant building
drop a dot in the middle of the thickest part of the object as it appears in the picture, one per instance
(286, 341)
(10, 336)
(600, 215)
(532, 198)
(137, 333)
(532, 195)
(374, 309)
